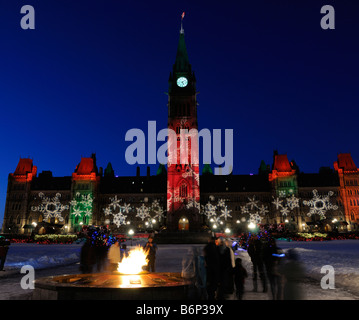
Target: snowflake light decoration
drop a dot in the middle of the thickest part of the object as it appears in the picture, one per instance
(253, 203)
(320, 204)
(226, 213)
(254, 210)
(115, 203)
(284, 211)
(81, 205)
(282, 194)
(255, 218)
(51, 207)
(215, 212)
(292, 202)
(194, 204)
(119, 219)
(209, 210)
(262, 210)
(278, 203)
(244, 210)
(221, 203)
(157, 209)
(142, 212)
(117, 210)
(77, 212)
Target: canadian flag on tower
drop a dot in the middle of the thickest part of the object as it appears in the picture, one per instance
(182, 15)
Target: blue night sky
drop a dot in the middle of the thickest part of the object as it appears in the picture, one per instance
(92, 70)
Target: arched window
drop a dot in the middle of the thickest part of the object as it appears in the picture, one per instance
(183, 190)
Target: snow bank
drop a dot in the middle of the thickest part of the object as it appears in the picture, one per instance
(342, 255)
(41, 256)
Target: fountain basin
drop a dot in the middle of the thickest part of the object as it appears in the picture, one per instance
(112, 286)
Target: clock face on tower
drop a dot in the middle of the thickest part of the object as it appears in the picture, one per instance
(182, 82)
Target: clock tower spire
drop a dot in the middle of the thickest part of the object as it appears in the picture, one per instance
(183, 172)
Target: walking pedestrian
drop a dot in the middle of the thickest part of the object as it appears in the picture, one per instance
(256, 255)
(293, 273)
(240, 274)
(190, 271)
(271, 258)
(4, 247)
(226, 264)
(211, 258)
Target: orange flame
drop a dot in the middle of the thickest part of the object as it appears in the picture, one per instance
(133, 263)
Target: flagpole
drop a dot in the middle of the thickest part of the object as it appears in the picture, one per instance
(182, 30)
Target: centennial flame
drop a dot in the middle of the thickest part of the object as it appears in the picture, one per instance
(133, 263)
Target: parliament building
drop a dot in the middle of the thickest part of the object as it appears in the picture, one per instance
(178, 197)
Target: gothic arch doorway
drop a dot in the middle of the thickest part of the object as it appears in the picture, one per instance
(42, 230)
(183, 224)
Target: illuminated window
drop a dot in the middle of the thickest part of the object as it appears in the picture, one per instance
(183, 190)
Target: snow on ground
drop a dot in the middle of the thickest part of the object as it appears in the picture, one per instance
(343, 255)
(41, 256)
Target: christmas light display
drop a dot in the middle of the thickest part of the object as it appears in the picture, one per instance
(320, 204)
(117, 210)
(142, 212)
(81, 207)
(291, 203)
(51, 207)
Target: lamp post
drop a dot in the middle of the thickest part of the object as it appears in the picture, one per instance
(130, 233)
(227, 231)
(251, 225)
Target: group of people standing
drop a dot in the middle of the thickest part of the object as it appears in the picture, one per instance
(214, 274)
(224, 274)
(218, 274)
(282, 271)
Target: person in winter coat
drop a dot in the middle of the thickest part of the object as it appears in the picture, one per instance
(114, 256)
(271, 260)
(293, 273)
(240, 274)
(151, 249)
(190, 271)
(4, 247)
(87, 257)
(256, 255)
(202, 278)
(226, 264)
(211, 258)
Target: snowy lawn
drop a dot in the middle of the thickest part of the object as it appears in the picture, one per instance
(343, 255)
(41, 255)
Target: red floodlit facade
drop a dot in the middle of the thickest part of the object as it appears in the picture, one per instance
(349, 185)
(25, 171)
(183, 193)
